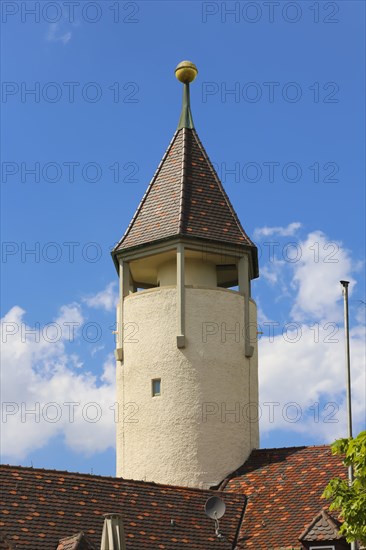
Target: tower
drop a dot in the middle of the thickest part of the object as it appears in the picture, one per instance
(187, 366)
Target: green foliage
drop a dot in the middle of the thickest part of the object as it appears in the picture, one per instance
(350, 501)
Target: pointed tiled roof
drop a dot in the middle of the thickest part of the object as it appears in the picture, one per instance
(185, 199)
(323, 527)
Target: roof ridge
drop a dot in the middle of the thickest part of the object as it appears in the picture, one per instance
(323, 445)
(109, 478)
(52, 470)
(182, 181)
(157, 171)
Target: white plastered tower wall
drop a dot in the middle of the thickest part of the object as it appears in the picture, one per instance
(205, 423)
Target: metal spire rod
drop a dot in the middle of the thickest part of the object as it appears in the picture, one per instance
(186, 72)
(186, 119)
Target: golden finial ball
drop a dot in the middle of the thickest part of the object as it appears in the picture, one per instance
(186, 71)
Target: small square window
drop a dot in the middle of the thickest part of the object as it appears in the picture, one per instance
(156, 387)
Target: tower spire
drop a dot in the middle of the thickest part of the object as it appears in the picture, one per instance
(186, 72)
(183, 251)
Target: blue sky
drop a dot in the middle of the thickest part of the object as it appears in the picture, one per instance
(279, 106)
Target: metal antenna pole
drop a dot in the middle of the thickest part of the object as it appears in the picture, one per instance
(348, 362)
(348, 379)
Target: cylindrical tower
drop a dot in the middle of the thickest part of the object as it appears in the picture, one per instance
(187, 366)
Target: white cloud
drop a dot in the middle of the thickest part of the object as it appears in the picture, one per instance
(275, 274)
(70, 320)
(361, 312)
(95, 350)
(55, 34)
(270, 274)
(323, 263)
(311, 374)
(105, 299)
(304, 361)
(279, 231)
(38, 375)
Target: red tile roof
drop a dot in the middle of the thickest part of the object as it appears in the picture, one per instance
(185, 199)
(284, 488)
(41, 507)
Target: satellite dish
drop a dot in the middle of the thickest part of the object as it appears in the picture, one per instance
(215, 507)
